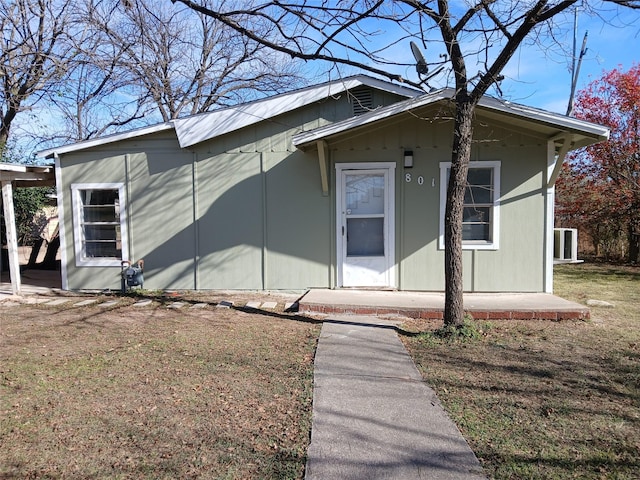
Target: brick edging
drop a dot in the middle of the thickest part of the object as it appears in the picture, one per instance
(436, 314)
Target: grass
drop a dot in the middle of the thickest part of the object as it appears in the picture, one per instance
(550, 400)
(154, 393)
(122, 392)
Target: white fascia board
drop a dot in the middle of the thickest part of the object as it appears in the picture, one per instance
(19, 171)
(550, 118)
(13, 167)
(205, 126)
(24, 168)
(96, 142)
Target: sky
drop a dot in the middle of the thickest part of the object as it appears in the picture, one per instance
(544, 81)
(542, 78)
(535, 76)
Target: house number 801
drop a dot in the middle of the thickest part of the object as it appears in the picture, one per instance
(409, 178)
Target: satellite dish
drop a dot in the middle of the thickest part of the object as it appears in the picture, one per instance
(421, 64)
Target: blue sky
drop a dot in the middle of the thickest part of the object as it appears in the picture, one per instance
(537, 76)
(540, 76)
(544, 81)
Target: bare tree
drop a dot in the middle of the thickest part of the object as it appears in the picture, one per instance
(179, 64)
(481, 33)
(34, 55)
(137, 63)
(99, 96)
(101, 65)
(97, 99)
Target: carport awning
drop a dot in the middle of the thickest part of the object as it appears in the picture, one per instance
(17, 175)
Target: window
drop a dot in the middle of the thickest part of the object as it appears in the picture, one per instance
(481, 212)
(99, 224)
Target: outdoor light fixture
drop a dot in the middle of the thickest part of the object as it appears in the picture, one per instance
(408, 159)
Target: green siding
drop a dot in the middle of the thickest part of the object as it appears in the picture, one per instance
(298, 247)
(161, 217)
(158, 178)
(422, 267)
(246, 210)
(518, 263)
(230, 229)
(89, 167)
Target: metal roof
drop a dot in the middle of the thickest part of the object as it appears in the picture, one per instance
(199, 128)
(550, 122)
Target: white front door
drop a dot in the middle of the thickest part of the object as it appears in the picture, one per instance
(365, 225)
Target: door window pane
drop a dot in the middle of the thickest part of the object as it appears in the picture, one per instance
(365, 194)
(365, 237)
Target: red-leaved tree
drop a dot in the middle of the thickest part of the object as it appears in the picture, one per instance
(599, 190)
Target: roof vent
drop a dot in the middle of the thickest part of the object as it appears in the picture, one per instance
(362, 100)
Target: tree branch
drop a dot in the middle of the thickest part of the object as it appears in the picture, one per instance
(293, 53)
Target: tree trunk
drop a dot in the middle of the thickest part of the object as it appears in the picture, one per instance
(49, 262)
(634, 242)
(462, 137)
(35, 251)
(4, 136)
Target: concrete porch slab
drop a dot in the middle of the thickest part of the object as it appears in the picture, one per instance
(33, 282)
(430, 305)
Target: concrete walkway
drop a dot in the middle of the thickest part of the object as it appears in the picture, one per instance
(373, 416)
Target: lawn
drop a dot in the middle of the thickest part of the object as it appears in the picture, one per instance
(154, 392)
(550, 400)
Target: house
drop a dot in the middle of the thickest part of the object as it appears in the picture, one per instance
(336, 185)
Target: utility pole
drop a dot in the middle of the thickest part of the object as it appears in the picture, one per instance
(576, 62)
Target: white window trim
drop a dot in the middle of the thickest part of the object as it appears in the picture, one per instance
(494, 244)
(78, 234)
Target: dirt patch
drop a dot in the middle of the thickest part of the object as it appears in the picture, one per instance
(155, 392)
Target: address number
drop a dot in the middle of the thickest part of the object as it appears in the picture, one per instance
(409, 178)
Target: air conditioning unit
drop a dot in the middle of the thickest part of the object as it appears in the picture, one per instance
(565, 245)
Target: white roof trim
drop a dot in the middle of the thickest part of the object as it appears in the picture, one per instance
(96, 142)
(23, 168)
(544, 116)
(199, 128)
(27, 175)
(529, 113)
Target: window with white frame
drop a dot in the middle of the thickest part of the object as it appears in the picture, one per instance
(99, 224)
(481, 208)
